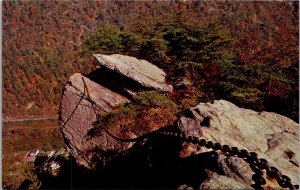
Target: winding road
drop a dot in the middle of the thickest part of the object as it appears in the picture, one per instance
(4, 120)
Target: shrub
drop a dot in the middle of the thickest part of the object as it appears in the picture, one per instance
(155, 50)
(131, 43)
(147, 112)
(18, 174)
(106, 39)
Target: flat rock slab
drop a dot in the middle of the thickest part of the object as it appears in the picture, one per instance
(77, 118)
(142, 71)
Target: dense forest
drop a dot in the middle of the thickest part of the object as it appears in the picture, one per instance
(244, 52)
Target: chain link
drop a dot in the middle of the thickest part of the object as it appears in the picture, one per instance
(258, 165)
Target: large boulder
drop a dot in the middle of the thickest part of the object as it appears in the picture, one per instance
(270, 135)
(77, 118)
(110, 86)
(139, 70)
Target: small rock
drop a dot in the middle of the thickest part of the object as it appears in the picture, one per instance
(216, 181)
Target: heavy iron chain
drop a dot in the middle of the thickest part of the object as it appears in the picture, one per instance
(258, 165)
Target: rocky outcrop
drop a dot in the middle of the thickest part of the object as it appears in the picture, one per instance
(77, 118)
(122, 78)
(139, 70)
(271, 136)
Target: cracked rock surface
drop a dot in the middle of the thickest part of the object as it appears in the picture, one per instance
(77, 119)
(272, 136)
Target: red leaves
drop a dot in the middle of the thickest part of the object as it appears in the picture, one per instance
(277, 88)
(211, 70)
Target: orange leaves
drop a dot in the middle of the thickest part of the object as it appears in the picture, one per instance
(20, 59)
(155, 118)
(146, 113)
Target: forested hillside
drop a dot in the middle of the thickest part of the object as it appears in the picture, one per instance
(245, 52)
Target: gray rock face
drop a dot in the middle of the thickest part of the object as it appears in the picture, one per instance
(215, 181)
(271, 136)
(141, 71)
(235, 168)
(77, 119)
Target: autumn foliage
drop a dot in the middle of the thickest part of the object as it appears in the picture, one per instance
(245, 52)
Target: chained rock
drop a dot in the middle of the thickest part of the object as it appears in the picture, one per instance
(211, 146)
(272, 136)
(120, 79)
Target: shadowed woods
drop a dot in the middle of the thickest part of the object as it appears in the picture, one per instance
(154, 164)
